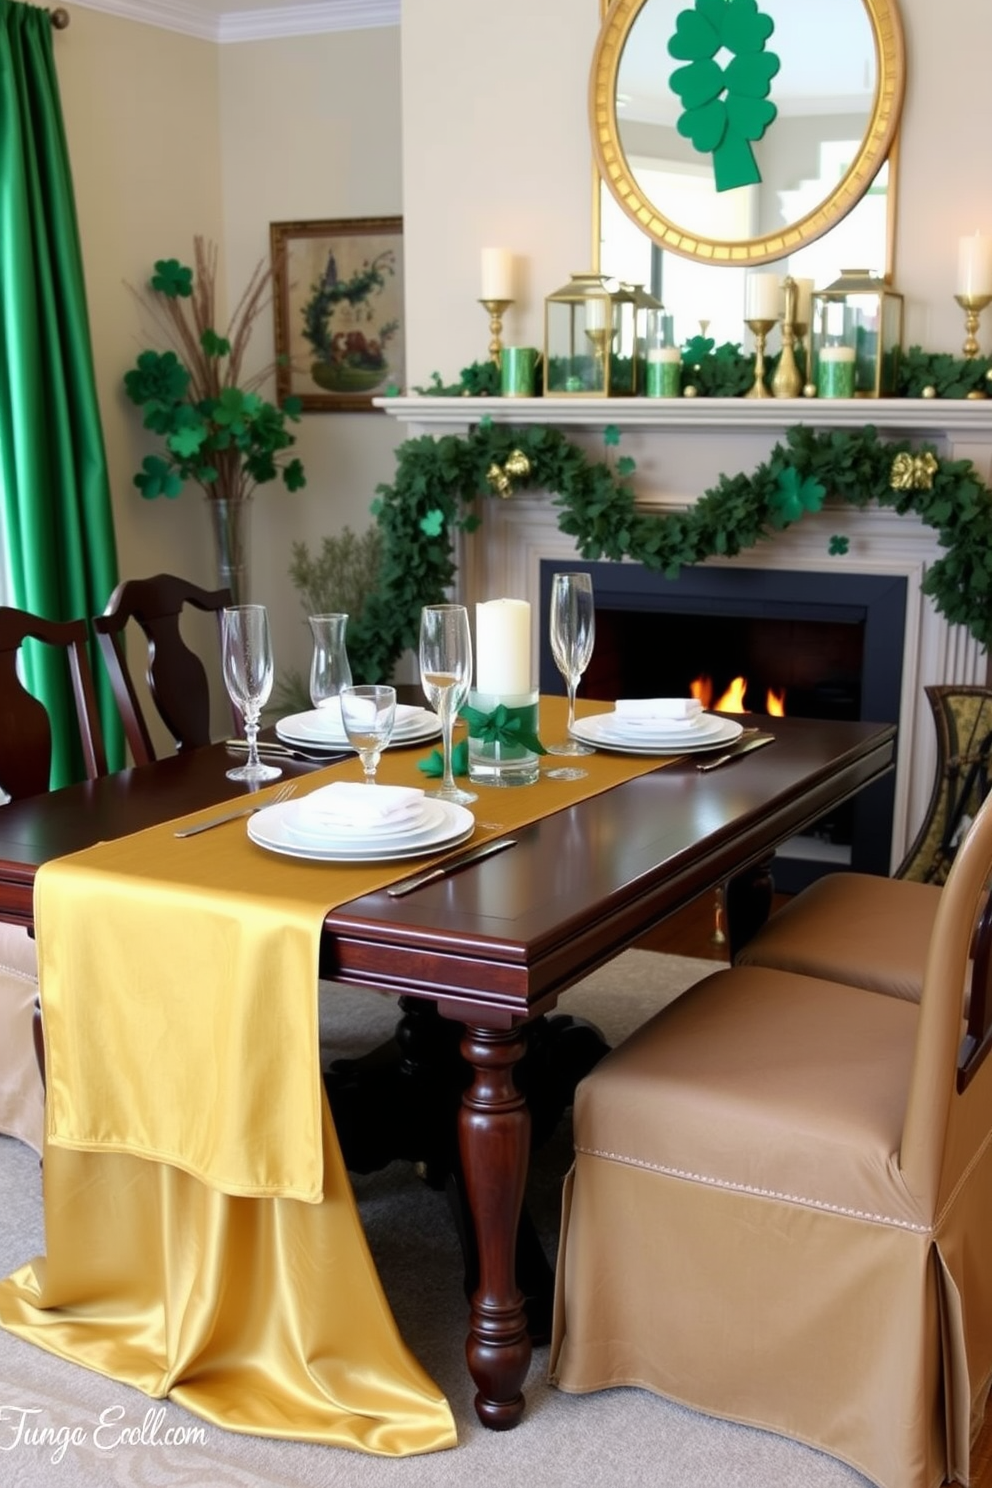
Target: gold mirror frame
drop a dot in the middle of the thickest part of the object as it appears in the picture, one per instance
(878, 145)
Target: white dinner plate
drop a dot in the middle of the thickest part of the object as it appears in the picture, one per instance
(312, 732)
(601, 732)
(268, 829)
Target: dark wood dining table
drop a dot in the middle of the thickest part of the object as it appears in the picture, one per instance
(494, 946)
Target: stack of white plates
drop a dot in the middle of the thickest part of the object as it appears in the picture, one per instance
(321, 728)
(352, 822)
(657, 735)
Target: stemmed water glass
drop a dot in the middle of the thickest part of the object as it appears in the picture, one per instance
(368, 713)
(446, 675)
(246, 649)
(573, 631)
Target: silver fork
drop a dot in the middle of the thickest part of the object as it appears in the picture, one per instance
(282, 794)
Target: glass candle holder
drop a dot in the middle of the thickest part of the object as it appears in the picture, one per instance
(499, 760)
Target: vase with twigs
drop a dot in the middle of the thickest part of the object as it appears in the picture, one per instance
(218, 430)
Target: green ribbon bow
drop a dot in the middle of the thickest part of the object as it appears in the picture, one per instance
(511, 726)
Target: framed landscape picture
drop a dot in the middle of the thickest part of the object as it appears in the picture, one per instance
(338, 301)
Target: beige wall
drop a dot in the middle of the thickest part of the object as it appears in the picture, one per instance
(471, 120)
(141, 113)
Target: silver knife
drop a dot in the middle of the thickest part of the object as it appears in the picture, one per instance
(453, 865)
(284, 751)
(757, 742)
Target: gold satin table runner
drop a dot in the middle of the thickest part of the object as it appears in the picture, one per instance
(179, 975)
(187, 1119)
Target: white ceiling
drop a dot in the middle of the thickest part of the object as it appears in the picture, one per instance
(251, 20)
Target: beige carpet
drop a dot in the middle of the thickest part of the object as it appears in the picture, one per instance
(614, 1439)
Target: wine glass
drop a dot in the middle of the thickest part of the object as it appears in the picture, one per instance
(573, 631)
(330, 672)
(368, 713)
(445, 675)
(246, 649)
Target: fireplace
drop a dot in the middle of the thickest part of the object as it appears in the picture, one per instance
(681, 447)
(830, 644)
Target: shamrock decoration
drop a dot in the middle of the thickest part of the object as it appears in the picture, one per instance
(793, 496)
(838, 546)
(725, 107)
(433, 764)
(219, 433)
(432, 523)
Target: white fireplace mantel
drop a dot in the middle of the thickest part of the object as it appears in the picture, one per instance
(681, 447)
(926, 418)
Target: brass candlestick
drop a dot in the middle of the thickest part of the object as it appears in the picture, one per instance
(759, 330)
(972, 305)
(786, 382)
(496, 309)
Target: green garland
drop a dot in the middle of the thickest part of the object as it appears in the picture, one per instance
(439, 483)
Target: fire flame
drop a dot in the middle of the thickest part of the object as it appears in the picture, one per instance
(733, 700)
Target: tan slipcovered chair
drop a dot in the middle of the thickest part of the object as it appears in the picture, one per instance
(781, 1203)
(870, 931)
(22, 1096)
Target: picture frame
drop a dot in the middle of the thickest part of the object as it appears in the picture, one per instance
(338, 306)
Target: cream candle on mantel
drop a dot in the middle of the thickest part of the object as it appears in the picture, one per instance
(974, 265)
(762, 297)
(804, 300)
(502, 647)
(497, 274)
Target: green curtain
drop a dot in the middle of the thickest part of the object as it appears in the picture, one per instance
(57, 517)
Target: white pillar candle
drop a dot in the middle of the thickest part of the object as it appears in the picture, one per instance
(763, 293)
(595, 315)
(975, 265)
(497, 274)
(502, 647)
(804, 300)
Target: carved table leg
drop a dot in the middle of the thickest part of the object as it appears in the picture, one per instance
(494, 1137)
(748, 902)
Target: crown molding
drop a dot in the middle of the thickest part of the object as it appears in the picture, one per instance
(303, 18)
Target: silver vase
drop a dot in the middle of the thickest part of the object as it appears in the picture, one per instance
(230, 521)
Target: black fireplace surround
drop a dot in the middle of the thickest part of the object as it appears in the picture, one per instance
(832, 641)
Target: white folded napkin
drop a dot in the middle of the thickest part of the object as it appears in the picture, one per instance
(657, 710)
(352, 804)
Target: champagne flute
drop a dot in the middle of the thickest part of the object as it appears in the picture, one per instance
(573, 631)
(445, 675)
(368, 713)
(246, 649)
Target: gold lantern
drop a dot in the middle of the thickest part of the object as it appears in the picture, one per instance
(858, 313)
(591, 339)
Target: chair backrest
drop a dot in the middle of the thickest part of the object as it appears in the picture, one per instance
(25, 727)
(949, 1110)
(176, 676)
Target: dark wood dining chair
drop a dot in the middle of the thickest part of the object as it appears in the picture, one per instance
(25, 770)
(176, 676)
(26, 731)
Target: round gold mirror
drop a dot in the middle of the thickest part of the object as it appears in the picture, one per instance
(794, 158)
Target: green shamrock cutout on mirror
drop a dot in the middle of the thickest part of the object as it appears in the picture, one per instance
(725, 108)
